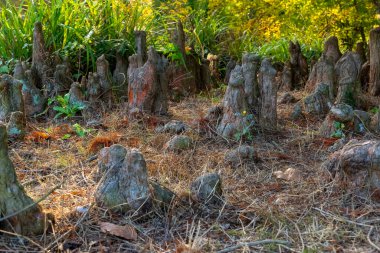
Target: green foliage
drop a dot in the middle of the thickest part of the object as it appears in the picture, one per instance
(246, 132)
(174, 54)
(81, 131)
(80, 30)
(64, 107)
(374, 110)
(6, 66)
(83, 30)
(339, 127)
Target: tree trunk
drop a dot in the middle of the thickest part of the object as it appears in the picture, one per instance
(374, 62)
(13, 198)
(268, 113)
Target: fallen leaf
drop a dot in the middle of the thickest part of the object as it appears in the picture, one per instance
(38, 136)
(290, 174)
(127, 231)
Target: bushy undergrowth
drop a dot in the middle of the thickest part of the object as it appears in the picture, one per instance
(83, 30)
(79, 30)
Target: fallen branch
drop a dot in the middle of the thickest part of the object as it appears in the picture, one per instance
(251, 244)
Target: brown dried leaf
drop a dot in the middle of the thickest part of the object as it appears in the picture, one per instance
(127, 231)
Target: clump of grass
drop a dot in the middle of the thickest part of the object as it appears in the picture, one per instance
(79, 30)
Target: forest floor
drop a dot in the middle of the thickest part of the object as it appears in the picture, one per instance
(314, 214)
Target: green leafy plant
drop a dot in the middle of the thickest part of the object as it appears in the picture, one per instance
(374, 110)
(246, 132)
(64, 107)
(339, 127)
(174, 54)
(81, 131)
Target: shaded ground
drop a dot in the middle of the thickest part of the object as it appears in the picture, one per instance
(313, 215)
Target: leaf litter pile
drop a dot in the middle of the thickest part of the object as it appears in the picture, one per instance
(285, 200)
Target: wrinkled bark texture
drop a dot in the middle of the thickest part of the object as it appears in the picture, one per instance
(62, 81)
(359, 161)
(374, 62)
(39, 57)
(105, 79)
(286, 77)
(13, 198)
(298, 65)
(16, 126)
(120, 76)
(189, 74)
(341, 113)
(147, 89)
(230, 66)
(331, 49)
(141, 49)
(34, 101)
(125, 186)
(347, 71)
(268, 112)
(251, 87)
(10, 96)
(234, 104)
(323, 72)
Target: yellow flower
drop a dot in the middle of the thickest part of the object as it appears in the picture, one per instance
(244, 113)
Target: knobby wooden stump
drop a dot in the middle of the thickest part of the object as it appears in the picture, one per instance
(120, 76)
(374, 62)
(148, 85)
(347, 74)
(105, 78)
(298, 65)
(182, 72)
(251, 87)
(234, 106)
(141, 49)
(62, 81)
(14, 199)
(323, 72)
(11, 99)
(331, 49)
(268, 112)
(230, 66)
(359, 162)
(34, 101)
(39, 55)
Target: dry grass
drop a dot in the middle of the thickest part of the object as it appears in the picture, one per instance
(314, 215)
